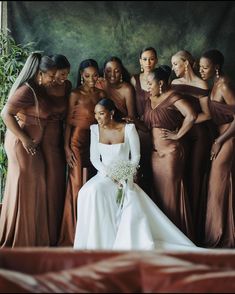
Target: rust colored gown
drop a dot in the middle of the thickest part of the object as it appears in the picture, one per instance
(220, 222)
(197, 144)
(53, 151)
(80, 119)
(145, 170)
(114, 95)
(23, 220)
(168, 162)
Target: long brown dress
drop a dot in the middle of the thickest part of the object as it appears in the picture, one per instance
(197, 144)
(145, 170)
(168, 162)
(23, 220)
(80, 119)
(53, 151)
(113, 94)
(220, 222)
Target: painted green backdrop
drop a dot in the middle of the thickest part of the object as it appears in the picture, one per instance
(99, 29)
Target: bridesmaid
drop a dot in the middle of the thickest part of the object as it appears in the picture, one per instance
(169, 117)
(116, 84)
(53, 145)
(220, 223)
(80, 116)
(148, 60)
(23, 220)
(198, 140)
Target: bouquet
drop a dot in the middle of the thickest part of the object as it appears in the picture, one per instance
(120, 172)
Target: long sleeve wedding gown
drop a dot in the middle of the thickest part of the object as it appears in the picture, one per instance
(139, 225)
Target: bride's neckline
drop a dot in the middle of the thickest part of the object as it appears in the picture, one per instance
(112, 143)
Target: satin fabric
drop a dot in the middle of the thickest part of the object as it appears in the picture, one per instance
(220, 222)
(168, 164)
(197, 145)
(23, 220)
(102, 224)
(81, 117)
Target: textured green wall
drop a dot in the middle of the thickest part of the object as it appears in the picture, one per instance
(99, 29)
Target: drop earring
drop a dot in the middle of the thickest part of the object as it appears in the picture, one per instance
(217, 73)
(82, 81)
(141, 68)
(40, 80)
(160, 89)
(121, 79)
(185, 70)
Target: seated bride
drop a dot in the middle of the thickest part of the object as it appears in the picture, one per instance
(112, 211)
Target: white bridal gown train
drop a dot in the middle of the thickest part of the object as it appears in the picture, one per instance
(140, 225)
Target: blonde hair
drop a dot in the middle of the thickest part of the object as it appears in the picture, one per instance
(185, 55)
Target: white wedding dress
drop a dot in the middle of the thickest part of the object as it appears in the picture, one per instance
(140, 225)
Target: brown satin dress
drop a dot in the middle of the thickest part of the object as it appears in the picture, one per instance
(197, 144)
(114, 95)
(53, 151)
(23, 220)
(80, 119)
(168, 162)
(220, 222)
(145, 171)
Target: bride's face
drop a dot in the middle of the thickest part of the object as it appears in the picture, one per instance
(102, 115)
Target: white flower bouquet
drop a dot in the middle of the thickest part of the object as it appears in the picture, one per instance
(121, 172)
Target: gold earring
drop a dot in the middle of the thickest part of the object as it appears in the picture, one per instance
(141, 68)
(217, 73)
(82, 81)
(40, 80)
(160, 89)
(121, 79)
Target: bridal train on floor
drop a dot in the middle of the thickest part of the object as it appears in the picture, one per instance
(139, 225)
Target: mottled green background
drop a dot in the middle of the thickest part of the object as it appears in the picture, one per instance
(99, 29)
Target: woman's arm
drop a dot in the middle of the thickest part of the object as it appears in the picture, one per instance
(205, 114)
(8, 116)
(134, 143)
(94, 153)
(133, 81)
(228, 93)
(189, 118)
(70, 156)
(130, 101)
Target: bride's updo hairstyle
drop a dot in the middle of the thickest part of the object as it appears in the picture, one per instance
(110, 106)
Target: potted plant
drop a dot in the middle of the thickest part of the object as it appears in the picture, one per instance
(12, 59)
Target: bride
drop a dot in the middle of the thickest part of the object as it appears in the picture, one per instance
(101, 222)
